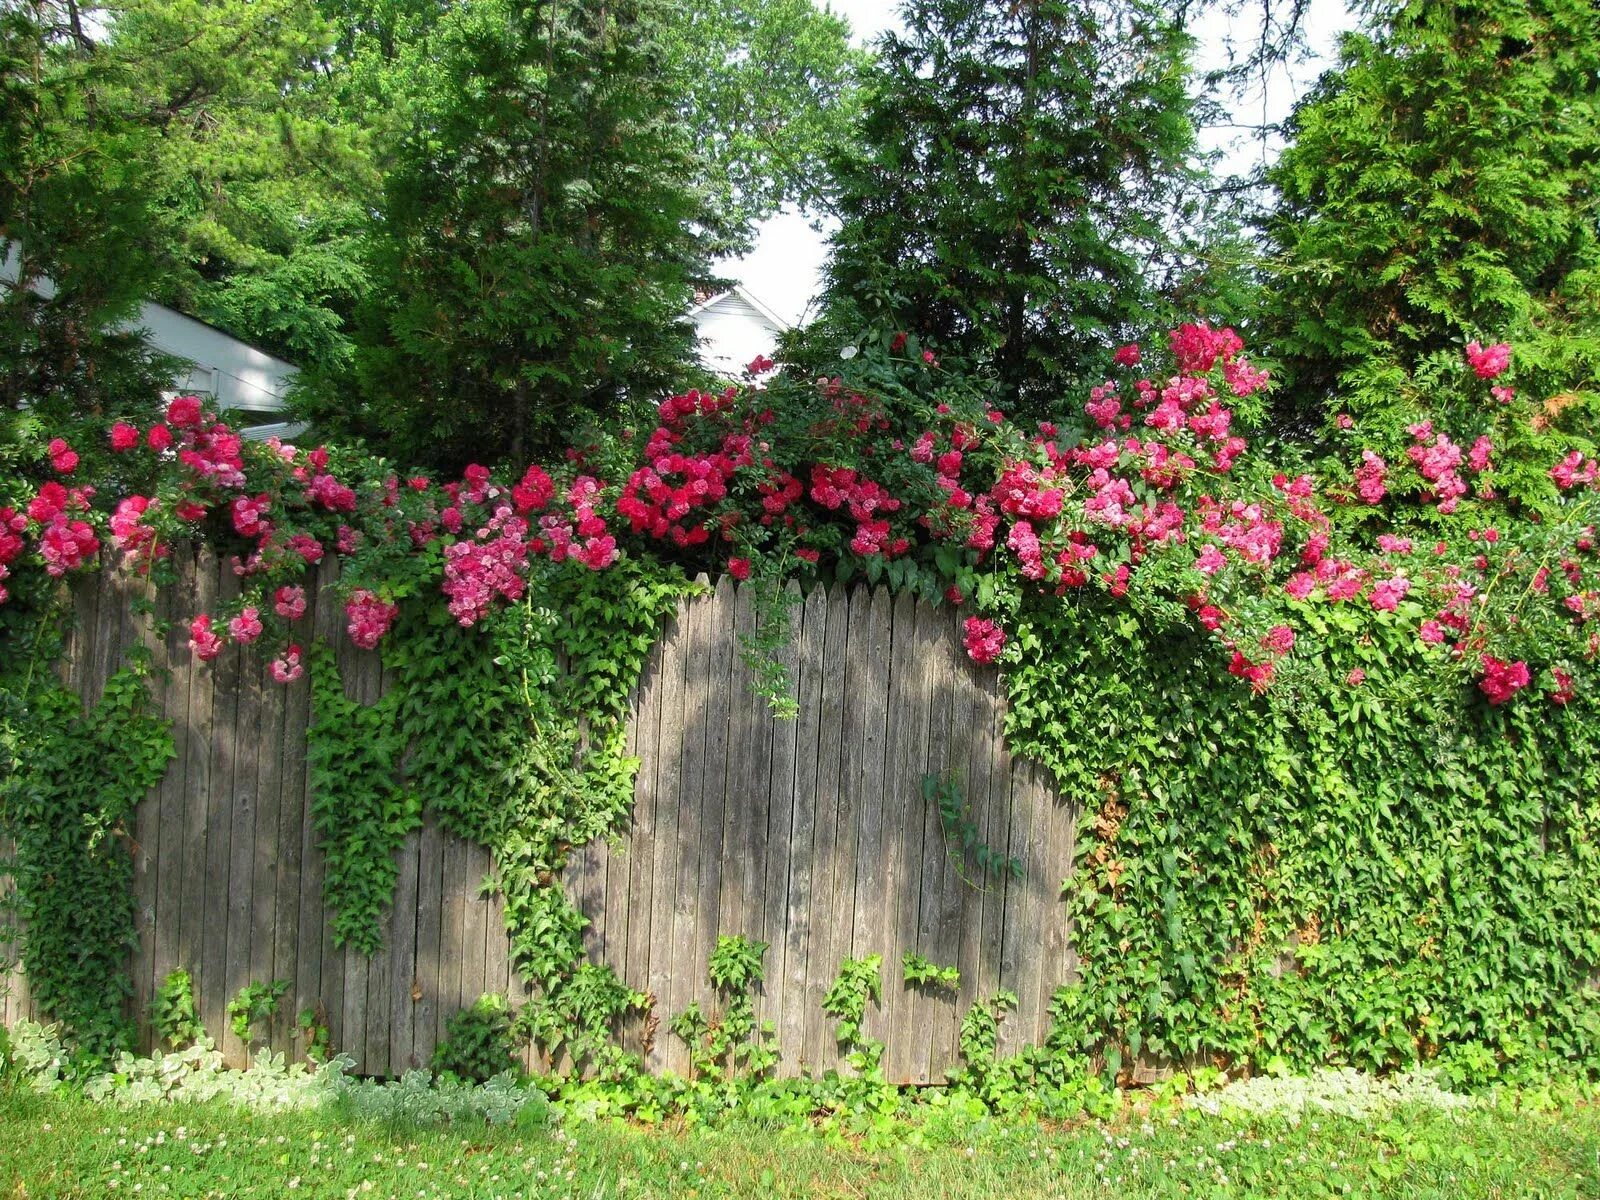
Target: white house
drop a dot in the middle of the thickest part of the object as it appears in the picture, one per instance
(734, 327)
(235, 374)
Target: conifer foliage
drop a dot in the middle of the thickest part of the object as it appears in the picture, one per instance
(1005, 201)
(1441, 188)
(540, 234)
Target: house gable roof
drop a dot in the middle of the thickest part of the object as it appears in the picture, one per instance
(740, 292)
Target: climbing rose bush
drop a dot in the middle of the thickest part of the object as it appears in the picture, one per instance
(1144, 494)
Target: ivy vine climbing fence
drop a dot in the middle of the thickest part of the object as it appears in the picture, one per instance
(823, 836)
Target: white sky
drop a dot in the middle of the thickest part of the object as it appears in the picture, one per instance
(783, 268)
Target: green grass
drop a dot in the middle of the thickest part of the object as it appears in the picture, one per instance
(68, 1147)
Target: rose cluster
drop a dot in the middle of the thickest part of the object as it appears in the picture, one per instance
(1148, 506)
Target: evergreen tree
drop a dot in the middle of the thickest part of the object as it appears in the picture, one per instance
(75, 221)
(1442, 185)
(1007, 202)
(767, 87)
(540, 235)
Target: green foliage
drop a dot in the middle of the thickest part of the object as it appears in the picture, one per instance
(1005, 1085)
(720, 1046)
(859, 982)
(770, 89)
(176, 153)
(311, 1026)
(1007, 199)
(979, 1037)
(479, 1041)
(963, 834)
(417, 1101)
(66, 802)
(582, 1016)
(255, 184)
(250, 1012)
(540, 232)
(359, 806)
(174, 1015)
(1378, 872)
(455, 765)
(1440, 187)
(921, 972)
(735, 963)
(74, 208)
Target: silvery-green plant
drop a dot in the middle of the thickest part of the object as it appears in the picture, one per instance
(1343, 1092)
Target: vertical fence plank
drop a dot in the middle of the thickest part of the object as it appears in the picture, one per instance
(865, 770)
(242, 810)
(982, 922)
(425, 990)
(661, 743)
(612, 926)
(474, 924)
(213, 934)
(779, 836)
(740, 808)
(1058, 963)
(355, 666)
(99, 637)
(148, 814)
(264, 881)
(687, 889)
(452, 934)
(172, 657)
(955, 895)
(640, 860)
(197, 781)
(1014, 947)
(757, 804)
(1040, 891)
(10, 973)
(851, 787)
(291, 849)
(916, 660)
(823, 951)
(714, 796)
(943, 867)
(799, 914)
(990, 725)
(753, 793)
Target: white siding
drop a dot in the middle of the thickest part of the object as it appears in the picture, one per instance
(732, 332)
(237, 374)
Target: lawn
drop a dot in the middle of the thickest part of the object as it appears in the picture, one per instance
(65, 1147)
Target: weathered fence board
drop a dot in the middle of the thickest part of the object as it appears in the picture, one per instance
(810, 834)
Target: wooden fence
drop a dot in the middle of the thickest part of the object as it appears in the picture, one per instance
(810, 834)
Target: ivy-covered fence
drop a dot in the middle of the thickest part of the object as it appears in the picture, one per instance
(886, 818)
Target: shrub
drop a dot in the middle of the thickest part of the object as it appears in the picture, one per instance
(478, 1042)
